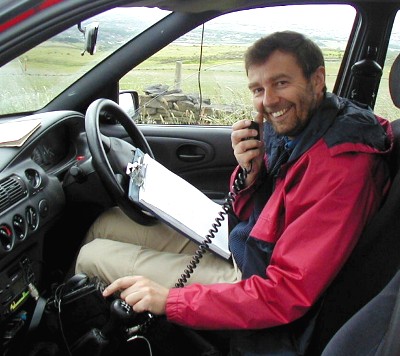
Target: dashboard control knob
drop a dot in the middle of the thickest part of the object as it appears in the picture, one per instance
(78, 173)
(6, 237)
(32, 218)
(19, 226)
(43, 208)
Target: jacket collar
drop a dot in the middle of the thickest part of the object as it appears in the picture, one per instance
(339, 121)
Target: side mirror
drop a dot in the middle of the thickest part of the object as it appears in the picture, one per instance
(128, 100)
(90, 35)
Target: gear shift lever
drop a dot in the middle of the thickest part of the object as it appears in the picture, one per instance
(121, 314)
(97, 342)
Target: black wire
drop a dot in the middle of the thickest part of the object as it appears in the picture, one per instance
(204, 246)
(57, 303)
(199, 70)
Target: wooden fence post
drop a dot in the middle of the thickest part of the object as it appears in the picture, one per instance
(178, 75)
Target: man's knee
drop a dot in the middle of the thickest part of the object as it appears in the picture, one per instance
(87, 260)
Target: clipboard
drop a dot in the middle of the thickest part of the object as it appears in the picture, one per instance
(176, 202)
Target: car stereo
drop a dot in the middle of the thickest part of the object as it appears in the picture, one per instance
(14, 286)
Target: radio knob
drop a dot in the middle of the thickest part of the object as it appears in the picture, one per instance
(19, 226)
(31, 218)
(6, 237)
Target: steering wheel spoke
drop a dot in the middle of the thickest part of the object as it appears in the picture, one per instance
(111, 156)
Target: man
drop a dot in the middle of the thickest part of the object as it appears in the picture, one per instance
(297, 221)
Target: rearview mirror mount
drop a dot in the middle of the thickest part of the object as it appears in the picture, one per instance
(90, 36)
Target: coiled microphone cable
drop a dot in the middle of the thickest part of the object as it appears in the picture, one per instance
(204, 246)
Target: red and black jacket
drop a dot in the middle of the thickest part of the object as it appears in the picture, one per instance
(334, 181)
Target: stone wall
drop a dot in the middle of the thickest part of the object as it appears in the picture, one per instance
(160, 105)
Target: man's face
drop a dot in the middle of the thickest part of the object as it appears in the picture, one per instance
(281, 92)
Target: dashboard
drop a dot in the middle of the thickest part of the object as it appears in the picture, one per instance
(32, 198)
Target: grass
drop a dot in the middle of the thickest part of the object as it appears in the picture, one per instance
(223, 79)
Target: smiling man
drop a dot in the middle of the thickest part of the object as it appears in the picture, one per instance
(314, 181)
(283, 94)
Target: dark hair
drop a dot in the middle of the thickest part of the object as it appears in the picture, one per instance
(308, 55)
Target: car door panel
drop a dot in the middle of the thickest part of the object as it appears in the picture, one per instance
(202, 155)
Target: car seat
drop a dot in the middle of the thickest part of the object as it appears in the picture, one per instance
(374, 261)
(374, 330)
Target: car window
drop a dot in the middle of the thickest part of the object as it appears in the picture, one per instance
(203, 82)
(384, 105)
(32, 80)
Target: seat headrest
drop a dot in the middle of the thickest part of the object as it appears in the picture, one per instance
(394, 82)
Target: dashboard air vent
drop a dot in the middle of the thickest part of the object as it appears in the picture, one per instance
(12, 190)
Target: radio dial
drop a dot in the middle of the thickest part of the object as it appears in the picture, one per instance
(6, 237)
(32, 218)
(19, 226)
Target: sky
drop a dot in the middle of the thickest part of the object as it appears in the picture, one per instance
(267, 20)
(307, 18)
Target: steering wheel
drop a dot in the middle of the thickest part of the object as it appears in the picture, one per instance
(111, 156)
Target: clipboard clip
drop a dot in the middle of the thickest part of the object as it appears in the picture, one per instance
(137, 171)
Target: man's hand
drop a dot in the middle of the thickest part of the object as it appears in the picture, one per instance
(249, 153)
(141, 293)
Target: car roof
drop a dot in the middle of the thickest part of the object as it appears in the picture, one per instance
(13, 12)
(38, 20)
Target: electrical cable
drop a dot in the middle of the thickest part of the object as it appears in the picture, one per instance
(199, 70)
(57, 303)
(226, 207)
(139, 337)
(204, 246)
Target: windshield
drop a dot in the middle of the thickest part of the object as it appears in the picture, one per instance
(32, 80)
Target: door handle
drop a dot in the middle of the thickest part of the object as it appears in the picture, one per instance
(191, 153)
(191, 158)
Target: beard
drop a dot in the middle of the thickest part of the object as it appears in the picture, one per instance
(293, 126)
